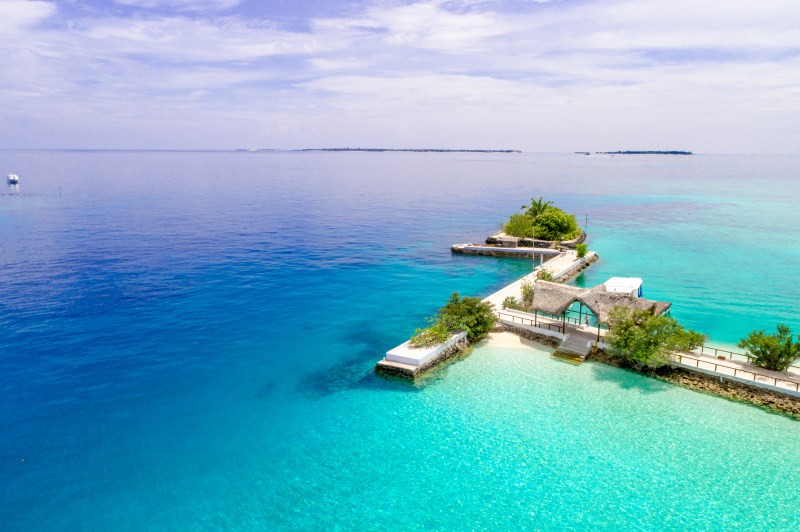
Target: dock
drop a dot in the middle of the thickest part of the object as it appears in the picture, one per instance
(409, 362)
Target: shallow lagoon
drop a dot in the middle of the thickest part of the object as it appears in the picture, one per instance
(188, 339)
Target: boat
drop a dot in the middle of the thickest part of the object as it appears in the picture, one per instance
(13, 179)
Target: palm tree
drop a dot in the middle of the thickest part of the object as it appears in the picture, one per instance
(537, 207)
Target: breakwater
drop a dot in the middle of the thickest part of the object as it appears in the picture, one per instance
(770, 399)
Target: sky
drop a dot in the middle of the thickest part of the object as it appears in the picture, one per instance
(534, 75)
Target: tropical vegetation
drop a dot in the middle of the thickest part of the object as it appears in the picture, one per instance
(774, 351)
(527, 290)
(545, 275)
(549, 222)
(644, 340)
(582, 249)
(468, 314)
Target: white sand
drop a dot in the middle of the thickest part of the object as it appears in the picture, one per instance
(510, 340)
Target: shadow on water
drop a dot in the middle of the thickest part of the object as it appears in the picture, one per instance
(628, 379)
(357, 371)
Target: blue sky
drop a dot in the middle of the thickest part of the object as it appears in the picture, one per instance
(715, 77)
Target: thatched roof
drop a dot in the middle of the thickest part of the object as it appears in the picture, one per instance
(554, 298)
(601, 303)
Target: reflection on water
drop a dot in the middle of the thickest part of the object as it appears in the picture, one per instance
(13, 188)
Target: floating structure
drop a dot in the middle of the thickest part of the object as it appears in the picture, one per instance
(13, 179)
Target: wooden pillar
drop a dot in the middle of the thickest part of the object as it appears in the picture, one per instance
(564, 323)
(580, 314)
(535, 318)
(598, 331)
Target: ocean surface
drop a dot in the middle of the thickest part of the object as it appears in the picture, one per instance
(188, 341)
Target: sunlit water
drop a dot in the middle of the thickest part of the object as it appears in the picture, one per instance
(188, 341)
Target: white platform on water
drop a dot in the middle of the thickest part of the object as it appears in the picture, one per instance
(631, 286)
(417, 356)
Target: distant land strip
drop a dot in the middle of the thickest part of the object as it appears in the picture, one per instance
(635, 152)
(435, 150)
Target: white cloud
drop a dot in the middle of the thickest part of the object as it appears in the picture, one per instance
(555, 74)
(18, 15)
(182, 5)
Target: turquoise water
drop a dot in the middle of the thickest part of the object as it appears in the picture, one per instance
(189, 337)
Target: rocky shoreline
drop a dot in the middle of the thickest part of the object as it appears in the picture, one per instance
(769, 400)
(411, 372)
(497, 237)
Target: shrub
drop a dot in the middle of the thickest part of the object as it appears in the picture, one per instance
(555, 224)
(459, 314)
(645, 340)
(470, 313)
(545, 275)
(511, 302)
(527, 295)
(581, 249)
(436, 333)
(518, 225)
(775, 351)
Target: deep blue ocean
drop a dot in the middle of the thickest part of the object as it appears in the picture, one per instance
(188, 341)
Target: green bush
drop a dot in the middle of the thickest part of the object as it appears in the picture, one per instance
(459, 314)
(518, 225)
(645, 340)
(581, 249)
(470, 313)
(436, 333)
(775, 351)
(545, 275)
(512, 303)
(527, 289)
(555, 224)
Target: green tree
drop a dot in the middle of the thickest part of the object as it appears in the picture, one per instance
(645, 340)
(469, 313)
(581, 249)
(555, 224)
(774, 351)
(537, 207)
(518, 225)
(459, 314)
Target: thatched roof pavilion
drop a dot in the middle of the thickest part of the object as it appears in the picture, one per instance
(555, 299)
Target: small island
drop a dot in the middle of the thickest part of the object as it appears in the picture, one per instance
(411, 150)
(645, 152)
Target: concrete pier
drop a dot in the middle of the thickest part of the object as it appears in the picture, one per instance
(409, 362)
(500, 251)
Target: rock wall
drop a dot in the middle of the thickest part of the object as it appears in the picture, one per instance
(495, 237)
(410, 372)
(769, 400)
(529, 335)
(577, 269)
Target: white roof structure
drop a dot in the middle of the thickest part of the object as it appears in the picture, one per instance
(624, 285)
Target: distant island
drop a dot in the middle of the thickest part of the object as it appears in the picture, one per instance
(635, 152)
(419, 150)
